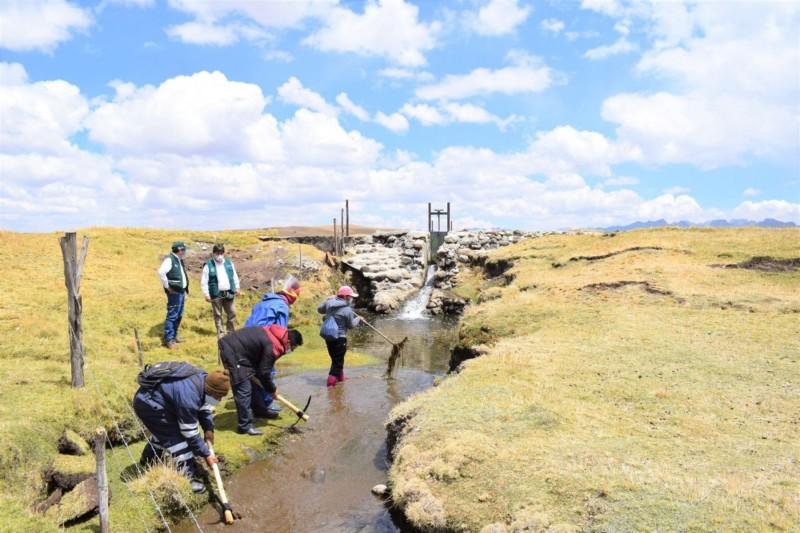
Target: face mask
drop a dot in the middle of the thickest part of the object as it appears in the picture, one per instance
(219, 258)
(210, 400)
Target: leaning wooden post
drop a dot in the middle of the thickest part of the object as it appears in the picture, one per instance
(139, 349)
(102, 478)
(73, 269)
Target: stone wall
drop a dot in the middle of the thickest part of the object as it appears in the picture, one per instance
(391, 265)
(465, 248)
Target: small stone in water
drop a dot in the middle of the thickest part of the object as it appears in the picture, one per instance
(380, 490)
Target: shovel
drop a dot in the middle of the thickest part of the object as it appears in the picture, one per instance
(397, 347)
(223, 498)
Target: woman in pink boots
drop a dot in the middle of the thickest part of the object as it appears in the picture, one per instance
(339, 318)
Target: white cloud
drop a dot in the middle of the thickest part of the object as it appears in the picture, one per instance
(293, 92)
(778, 209)
(620, 46)
(38, 116)
(671, 208)
(553, 25)
(396, 73)
(354, 109)
(265, 14)
(204, 113)
(395, 122)
(386, 28)
(471, 113)
(425, 114)
(565, 149)
(714, 115)
(279, 56)
(750, 192)
(527, 74)
(497, 17)
(202, 32)
(40, 24)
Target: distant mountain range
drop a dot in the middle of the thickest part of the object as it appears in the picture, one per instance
(735, 223)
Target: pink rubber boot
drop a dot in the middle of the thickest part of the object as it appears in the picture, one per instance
(340, 376)
(331, 381)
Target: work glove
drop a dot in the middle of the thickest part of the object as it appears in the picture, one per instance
(209, 435)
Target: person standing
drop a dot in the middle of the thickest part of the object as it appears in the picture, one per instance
(251, 353)
(220, 284)
(176, 286)
(339, 318)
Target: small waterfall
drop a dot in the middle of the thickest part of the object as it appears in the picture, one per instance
(414, 309)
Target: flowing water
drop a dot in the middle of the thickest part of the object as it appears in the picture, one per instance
(415, 308)
(321, 479)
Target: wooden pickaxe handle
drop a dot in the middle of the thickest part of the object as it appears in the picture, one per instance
(221, 488)
(299, 412)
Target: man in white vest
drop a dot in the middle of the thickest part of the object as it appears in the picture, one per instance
(219, 284)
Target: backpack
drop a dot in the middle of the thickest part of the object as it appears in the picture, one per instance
(153, 375)
(330, 329)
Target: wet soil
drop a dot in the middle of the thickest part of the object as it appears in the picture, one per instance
(766, 264)
(321, 478)
(606, 256)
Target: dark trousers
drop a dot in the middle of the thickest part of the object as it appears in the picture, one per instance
(166, 436)
(174, 315)
(336, 351)
(243, 397)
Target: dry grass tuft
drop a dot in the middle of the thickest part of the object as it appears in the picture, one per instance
(169, 487)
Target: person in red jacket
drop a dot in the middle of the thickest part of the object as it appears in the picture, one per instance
(250, 353)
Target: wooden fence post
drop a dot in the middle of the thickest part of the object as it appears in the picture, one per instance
(73, 269)
(139, 349)
(102, 479)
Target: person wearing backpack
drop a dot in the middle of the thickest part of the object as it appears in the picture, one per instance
(339, 318)
(274, 308)
(251, 353)
(175, 402)
(220, 284)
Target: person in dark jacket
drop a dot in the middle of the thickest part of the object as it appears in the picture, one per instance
(274, 308)
(175, 402)
(339, 307)
(250, 353)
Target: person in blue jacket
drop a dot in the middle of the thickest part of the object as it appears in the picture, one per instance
(273, 309)
(175, 402)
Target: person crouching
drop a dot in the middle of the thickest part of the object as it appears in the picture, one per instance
(251, 353)
(175, 401)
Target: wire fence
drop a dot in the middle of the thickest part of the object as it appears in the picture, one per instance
(139, 469)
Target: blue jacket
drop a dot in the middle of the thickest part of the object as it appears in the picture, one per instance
(182, 404)
(272, 309)
(342, 312)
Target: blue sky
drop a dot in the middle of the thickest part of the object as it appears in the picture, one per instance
(538, 115)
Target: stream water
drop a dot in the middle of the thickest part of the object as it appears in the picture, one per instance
(321, 479)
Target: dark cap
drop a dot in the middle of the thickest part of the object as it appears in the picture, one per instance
(219, 248)
(178, 245)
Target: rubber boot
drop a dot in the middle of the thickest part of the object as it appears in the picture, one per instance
(331, 381)
(340, 377)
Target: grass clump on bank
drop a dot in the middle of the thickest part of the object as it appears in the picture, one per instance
(121, 291)
(668, 402)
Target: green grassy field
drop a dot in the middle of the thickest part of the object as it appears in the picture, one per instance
(669, 402)
(120, 291)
